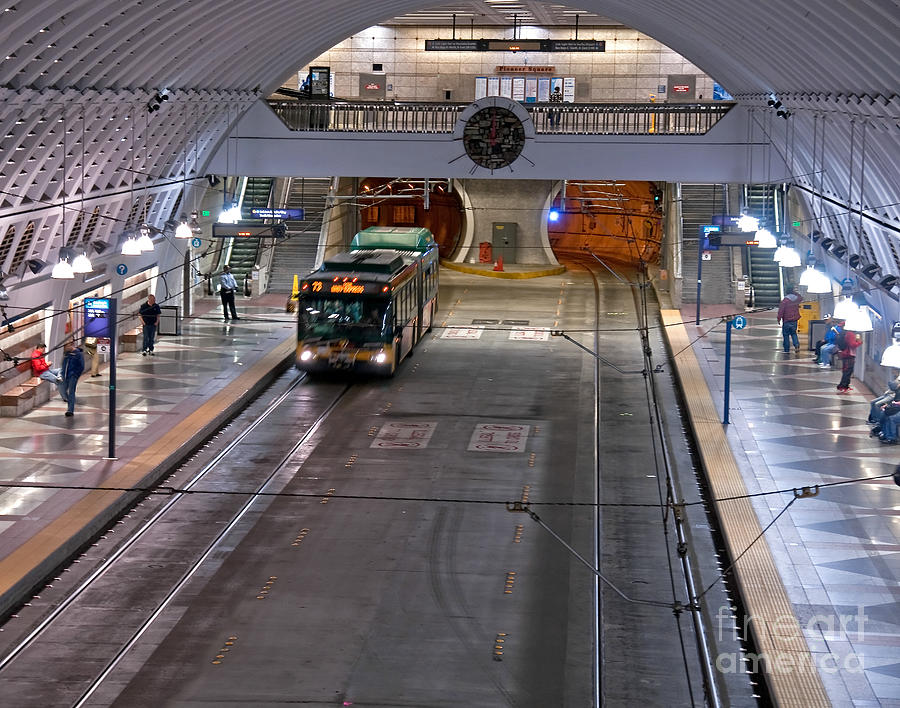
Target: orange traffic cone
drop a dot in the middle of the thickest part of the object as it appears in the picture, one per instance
(499, 264)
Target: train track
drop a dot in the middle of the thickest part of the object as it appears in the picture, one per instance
(216, 471)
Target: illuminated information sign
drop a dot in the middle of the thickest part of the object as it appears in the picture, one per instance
(345, 287)
(260, 213)
(97, 317)
(515, 45)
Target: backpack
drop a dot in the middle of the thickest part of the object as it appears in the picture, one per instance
(841, 341)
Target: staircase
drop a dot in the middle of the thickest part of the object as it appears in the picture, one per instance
(244, 251)
(698, 204)
(296, 254)
(764, 272)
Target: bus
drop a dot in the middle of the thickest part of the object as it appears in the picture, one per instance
(365, 309)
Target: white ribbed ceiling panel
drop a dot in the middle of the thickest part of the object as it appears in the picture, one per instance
(73, 69)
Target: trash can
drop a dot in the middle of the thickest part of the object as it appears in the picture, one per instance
(485, 252)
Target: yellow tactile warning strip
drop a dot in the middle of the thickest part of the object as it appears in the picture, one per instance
(510, 275)
(93, 511)
(786, 661)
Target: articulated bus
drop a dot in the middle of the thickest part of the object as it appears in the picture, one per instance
(365, 310)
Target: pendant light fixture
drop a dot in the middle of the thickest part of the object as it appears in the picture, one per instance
(144, 242)
(859, 321)
(82, 264)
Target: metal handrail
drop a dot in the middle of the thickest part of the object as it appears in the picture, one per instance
(548, 118)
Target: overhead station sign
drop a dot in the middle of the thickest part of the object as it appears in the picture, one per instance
(248, 230)
(259, 213)
(515, 45)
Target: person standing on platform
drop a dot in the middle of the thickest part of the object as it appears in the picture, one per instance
(847, 343)
(227, 286)
(90, 346)
(72, 369)
(555, 97)
(40, 367)
(788, 316)
(149, 313)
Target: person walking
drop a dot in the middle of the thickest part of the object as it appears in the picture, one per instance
(90, 346)
(40, 367)
(227, 287)
(72, 369)
(788, 316)
(847, 343)
(149, 313)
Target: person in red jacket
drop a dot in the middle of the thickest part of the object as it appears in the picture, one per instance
(848, 358)
(40, 367)
(788, 316)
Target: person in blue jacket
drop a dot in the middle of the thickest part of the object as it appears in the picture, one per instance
(829, 346)
(72, 368)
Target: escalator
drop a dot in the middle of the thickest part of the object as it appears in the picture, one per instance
(765, 275)
(245, 251)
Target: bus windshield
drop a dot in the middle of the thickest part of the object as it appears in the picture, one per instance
(358, 321)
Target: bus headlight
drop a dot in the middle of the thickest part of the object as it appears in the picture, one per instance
(306, 355)
(380, 357)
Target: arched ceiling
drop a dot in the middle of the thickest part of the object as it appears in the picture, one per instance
(831, 46)
(77, 76)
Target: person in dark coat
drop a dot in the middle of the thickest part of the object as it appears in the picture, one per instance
(72, 369)
(788, 316)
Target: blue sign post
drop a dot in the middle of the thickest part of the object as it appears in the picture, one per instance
(738, 322)
(100, 321)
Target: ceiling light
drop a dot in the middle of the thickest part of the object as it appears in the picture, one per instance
(859, 321)
(130, 247)
(790, 259)
(844, 308)
(820, 284)
(183, 230)
(82, 264)
(748, 223)
(62, 271)
(765, 238)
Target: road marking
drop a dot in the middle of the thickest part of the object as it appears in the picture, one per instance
(530, 335)
(499, 437)
(406, 435)
(462, 333)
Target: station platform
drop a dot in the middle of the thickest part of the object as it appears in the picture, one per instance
(167, 403)
(835, 552)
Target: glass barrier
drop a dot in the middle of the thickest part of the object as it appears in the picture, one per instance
(565, 119)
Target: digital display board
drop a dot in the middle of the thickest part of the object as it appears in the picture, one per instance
(345, 287)
(261, 213)
(515, 45)
(97, 320)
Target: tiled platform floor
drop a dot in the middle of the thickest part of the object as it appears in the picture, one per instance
(152, 395)
(838, 553)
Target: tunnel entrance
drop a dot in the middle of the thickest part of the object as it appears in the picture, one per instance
(616, 220)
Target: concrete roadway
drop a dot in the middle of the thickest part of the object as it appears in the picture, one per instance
(433, 594)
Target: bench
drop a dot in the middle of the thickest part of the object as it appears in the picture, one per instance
(20, 392)
(132, 340)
